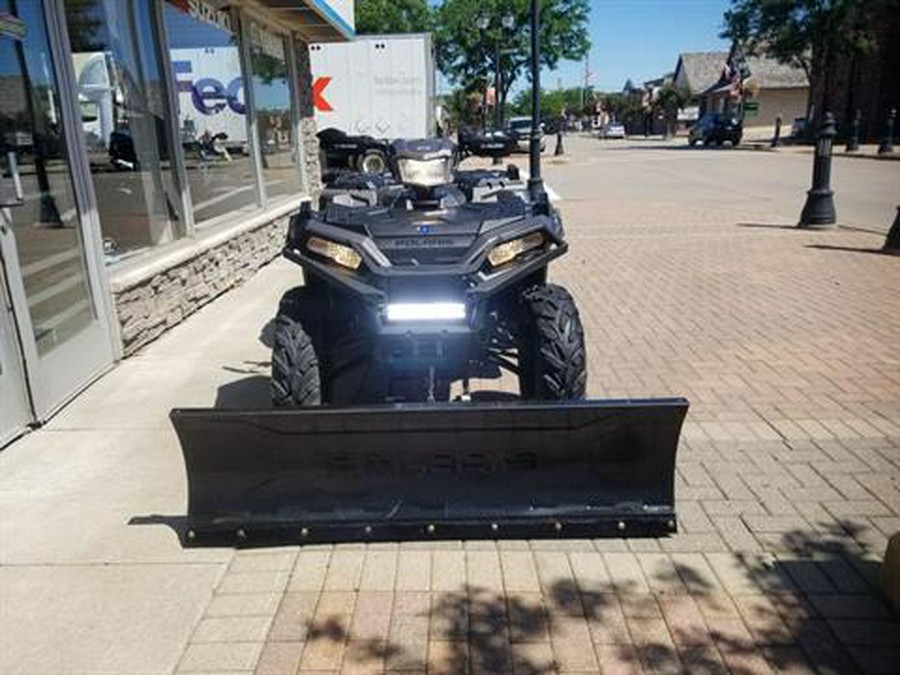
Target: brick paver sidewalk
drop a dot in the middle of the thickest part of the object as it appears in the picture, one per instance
(786, 343)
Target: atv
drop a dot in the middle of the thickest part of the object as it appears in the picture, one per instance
(417, 278)
(340, 152)
(423, 277)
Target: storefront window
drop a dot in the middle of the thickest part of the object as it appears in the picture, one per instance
(274, 119)
(212, 113)
(121, 98)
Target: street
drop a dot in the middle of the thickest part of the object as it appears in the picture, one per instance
(691, 281)
(765, 188)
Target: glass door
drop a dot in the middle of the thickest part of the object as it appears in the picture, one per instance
(51, 266)
(15, 412)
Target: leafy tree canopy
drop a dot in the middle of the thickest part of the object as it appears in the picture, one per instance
(466, 54)
(393, 16)
(809, 34)
(554, 103)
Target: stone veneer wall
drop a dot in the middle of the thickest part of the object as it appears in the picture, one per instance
(149, 308)
(308, 123)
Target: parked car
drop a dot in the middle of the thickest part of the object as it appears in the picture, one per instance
(800, 128)
(613, 130)
(520, 129)
(716, 128)
(470, 141)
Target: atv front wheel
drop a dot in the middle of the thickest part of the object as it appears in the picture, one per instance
(296, 377)
(552, 362)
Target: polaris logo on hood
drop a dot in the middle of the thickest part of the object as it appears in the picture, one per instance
(423, 242)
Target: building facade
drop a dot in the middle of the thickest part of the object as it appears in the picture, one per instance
(151, 152)
(759, 89)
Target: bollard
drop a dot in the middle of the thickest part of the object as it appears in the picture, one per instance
(776, 139)
(892, 243)
(887, 143)
(818, 212)
(853, 140)
(890, 572)
(560, 150)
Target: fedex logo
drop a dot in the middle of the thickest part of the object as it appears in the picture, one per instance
(209, 95)
(318, 95)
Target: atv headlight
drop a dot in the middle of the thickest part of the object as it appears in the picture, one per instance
(502, 254)
(424, 172)
(341, 254)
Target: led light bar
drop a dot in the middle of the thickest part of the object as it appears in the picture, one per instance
(426, 311)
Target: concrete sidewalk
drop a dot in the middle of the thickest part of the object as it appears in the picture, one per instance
(788, 481)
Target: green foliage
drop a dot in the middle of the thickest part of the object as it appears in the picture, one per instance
(554, 103)
(393, 16)
(466, 54)
(809, 34)
(623, 107)
(670, 98)
(463, 107)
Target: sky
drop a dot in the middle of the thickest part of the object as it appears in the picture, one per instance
(641, 40)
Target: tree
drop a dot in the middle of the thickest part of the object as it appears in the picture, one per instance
(809, 34)
(392, 16)
(555, 102)
(466, 54)
(670, 99)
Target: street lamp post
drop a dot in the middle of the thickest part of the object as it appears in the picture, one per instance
(535, 183)
(507, 23)
(818, 212)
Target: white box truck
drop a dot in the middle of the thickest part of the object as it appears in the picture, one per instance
(376, 85)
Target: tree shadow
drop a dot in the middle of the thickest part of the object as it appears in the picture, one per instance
(691, 619)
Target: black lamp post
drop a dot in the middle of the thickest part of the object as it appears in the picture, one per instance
(887, 144)
(507, 23)
(535, 184)
(818, 212)
(853, 140)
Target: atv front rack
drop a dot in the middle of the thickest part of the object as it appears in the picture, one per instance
(587, 468)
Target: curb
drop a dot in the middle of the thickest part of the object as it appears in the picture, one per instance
(852, 155)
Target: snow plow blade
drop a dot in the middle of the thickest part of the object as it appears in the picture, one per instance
(432, 471)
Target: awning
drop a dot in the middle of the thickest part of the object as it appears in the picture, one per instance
(316, 20)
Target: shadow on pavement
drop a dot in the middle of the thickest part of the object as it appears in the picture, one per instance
(689, 622)
(850, 249)
(178, 524)
(267, 334)
(770, 226)
(249, 393)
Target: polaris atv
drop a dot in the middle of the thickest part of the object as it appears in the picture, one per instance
(423, 277)
(341, 152)
(416, 279)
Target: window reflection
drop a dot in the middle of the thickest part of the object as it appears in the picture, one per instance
(272, 99)
(212, 114)
(121, 98)
(46, 226)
